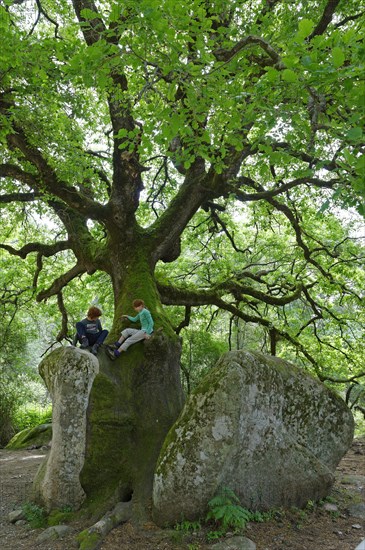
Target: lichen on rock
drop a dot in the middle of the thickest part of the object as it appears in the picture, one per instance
(258, 425)
(68, 374)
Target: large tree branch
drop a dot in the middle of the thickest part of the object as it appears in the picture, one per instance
(326, 18)
(12, 171)
(19, 197)
(43, 249)
(342, 380)
(41, 11)
(92, 28)
(62, 281)
(349, 18)
(186, 297)
(64, 328)
(127, 182)
(238, 290)
(328, 165)
(50, 183)
(291, 216)
(223, 54)
(270, 193)
(196, 189)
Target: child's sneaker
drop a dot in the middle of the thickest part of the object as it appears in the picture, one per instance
(94, 349)
(84, 343)
(110, 353)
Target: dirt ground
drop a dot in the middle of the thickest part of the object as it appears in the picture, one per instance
(314, 528)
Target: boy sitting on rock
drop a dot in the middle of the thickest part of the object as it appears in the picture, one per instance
(90, 331)
(131, 336)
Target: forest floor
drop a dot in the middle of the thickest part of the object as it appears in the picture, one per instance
(315, 528)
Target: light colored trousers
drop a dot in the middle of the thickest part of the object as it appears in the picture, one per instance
(132, 336)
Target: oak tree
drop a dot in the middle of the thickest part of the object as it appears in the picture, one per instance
(198, 153)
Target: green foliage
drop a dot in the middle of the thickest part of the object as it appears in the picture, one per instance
(145, 83)
(187, 526)
(88, 541)
(29, 416)
(9, 401)
(214, 535)
(225, 510)
(57, 517)
(201, 350)
(35, 515)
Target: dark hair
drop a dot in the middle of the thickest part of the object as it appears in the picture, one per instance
(94, 312)
(137, 303)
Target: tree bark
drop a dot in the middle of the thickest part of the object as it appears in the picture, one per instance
(134, 400)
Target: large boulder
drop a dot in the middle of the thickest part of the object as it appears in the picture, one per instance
(68, 374)
(259, 426)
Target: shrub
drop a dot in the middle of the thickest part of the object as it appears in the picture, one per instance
(31, 416)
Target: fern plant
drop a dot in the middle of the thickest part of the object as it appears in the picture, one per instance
(225, 510)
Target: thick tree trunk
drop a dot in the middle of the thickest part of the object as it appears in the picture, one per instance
(133, 403)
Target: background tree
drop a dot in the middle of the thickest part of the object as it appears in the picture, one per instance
(132, 126)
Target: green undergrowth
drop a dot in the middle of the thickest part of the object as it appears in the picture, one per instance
(35, 515)
(38, 518)
(225, 515)
(32, 416)
(58, 517)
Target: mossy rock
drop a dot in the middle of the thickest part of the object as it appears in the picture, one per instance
(258, 425)
(31, 437)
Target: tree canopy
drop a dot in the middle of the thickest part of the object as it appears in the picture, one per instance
(218, 142)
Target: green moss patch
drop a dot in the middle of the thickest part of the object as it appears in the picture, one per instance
(88, 541)
(38, 436)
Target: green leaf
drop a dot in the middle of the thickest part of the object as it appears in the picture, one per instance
(89, 14)
(360, 165)
(289, 76)
(354, 134)
(306, 60)
(338, 57)
(272, 74)
(305, 27)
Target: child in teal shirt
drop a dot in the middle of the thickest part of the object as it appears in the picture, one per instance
(131, 336)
